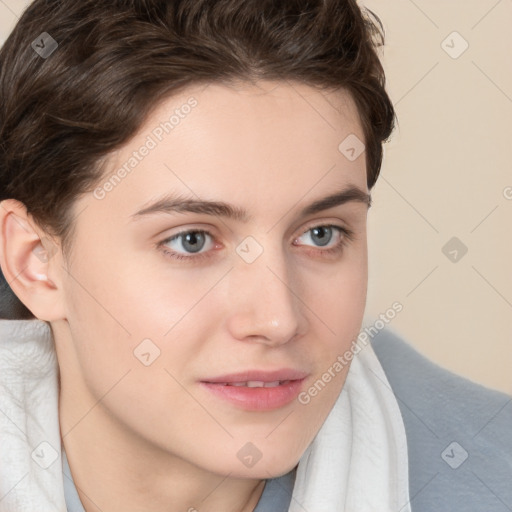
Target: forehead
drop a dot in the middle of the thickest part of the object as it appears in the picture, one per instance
(275, 142)
(264, 106)
(244, 122)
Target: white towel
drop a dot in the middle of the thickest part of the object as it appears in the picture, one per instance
(30, 472)
(358, 460)
(356, 463)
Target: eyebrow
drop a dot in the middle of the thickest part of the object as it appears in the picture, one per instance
(177, 204)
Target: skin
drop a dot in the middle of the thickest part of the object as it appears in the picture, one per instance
(142, 437)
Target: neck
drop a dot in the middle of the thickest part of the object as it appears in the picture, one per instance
(115, 470)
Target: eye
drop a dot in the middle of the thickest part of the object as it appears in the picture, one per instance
(195, 244)
(188, 244)
(332, 238)
(321, 235)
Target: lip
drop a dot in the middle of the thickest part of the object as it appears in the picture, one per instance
(260, 375)
(257, 398)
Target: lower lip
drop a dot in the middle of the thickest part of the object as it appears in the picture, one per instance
(257, 399)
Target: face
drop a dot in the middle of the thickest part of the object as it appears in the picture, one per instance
(203, 324)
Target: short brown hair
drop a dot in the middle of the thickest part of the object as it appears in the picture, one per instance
(117, 59)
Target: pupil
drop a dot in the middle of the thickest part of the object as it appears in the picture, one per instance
(194, 241)
(321, 233)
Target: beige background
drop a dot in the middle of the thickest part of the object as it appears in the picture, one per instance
(445, 174)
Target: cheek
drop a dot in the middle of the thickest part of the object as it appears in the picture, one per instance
(338, 297)
(339, 304)
(127, 316)
(134, 297)
(135, 341)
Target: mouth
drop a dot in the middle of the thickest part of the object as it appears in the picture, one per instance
(257, 390)
(254, 383)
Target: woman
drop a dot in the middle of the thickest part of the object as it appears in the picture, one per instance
(185, 187)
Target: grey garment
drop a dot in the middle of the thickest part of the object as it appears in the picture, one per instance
(276, 496)
(459, 433)
(11, 307)
(459, 438)
(73, 503)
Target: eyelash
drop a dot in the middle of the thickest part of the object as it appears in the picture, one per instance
(346, 238)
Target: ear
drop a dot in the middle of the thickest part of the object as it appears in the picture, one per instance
(31, 262)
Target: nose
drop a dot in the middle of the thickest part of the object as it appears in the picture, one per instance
(263, 307)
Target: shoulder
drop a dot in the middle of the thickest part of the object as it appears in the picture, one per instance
(459, 433)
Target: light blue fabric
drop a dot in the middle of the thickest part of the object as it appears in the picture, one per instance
(73, 503)
(276, 494)
(459, 437)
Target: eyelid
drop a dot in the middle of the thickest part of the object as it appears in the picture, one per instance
(208, 230)
(324, 223)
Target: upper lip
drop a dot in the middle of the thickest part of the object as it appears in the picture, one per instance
(260, 375)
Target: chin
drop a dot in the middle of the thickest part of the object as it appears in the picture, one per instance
(253, 460)
(273, 463)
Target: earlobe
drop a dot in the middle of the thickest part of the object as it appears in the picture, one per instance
(28, 260)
